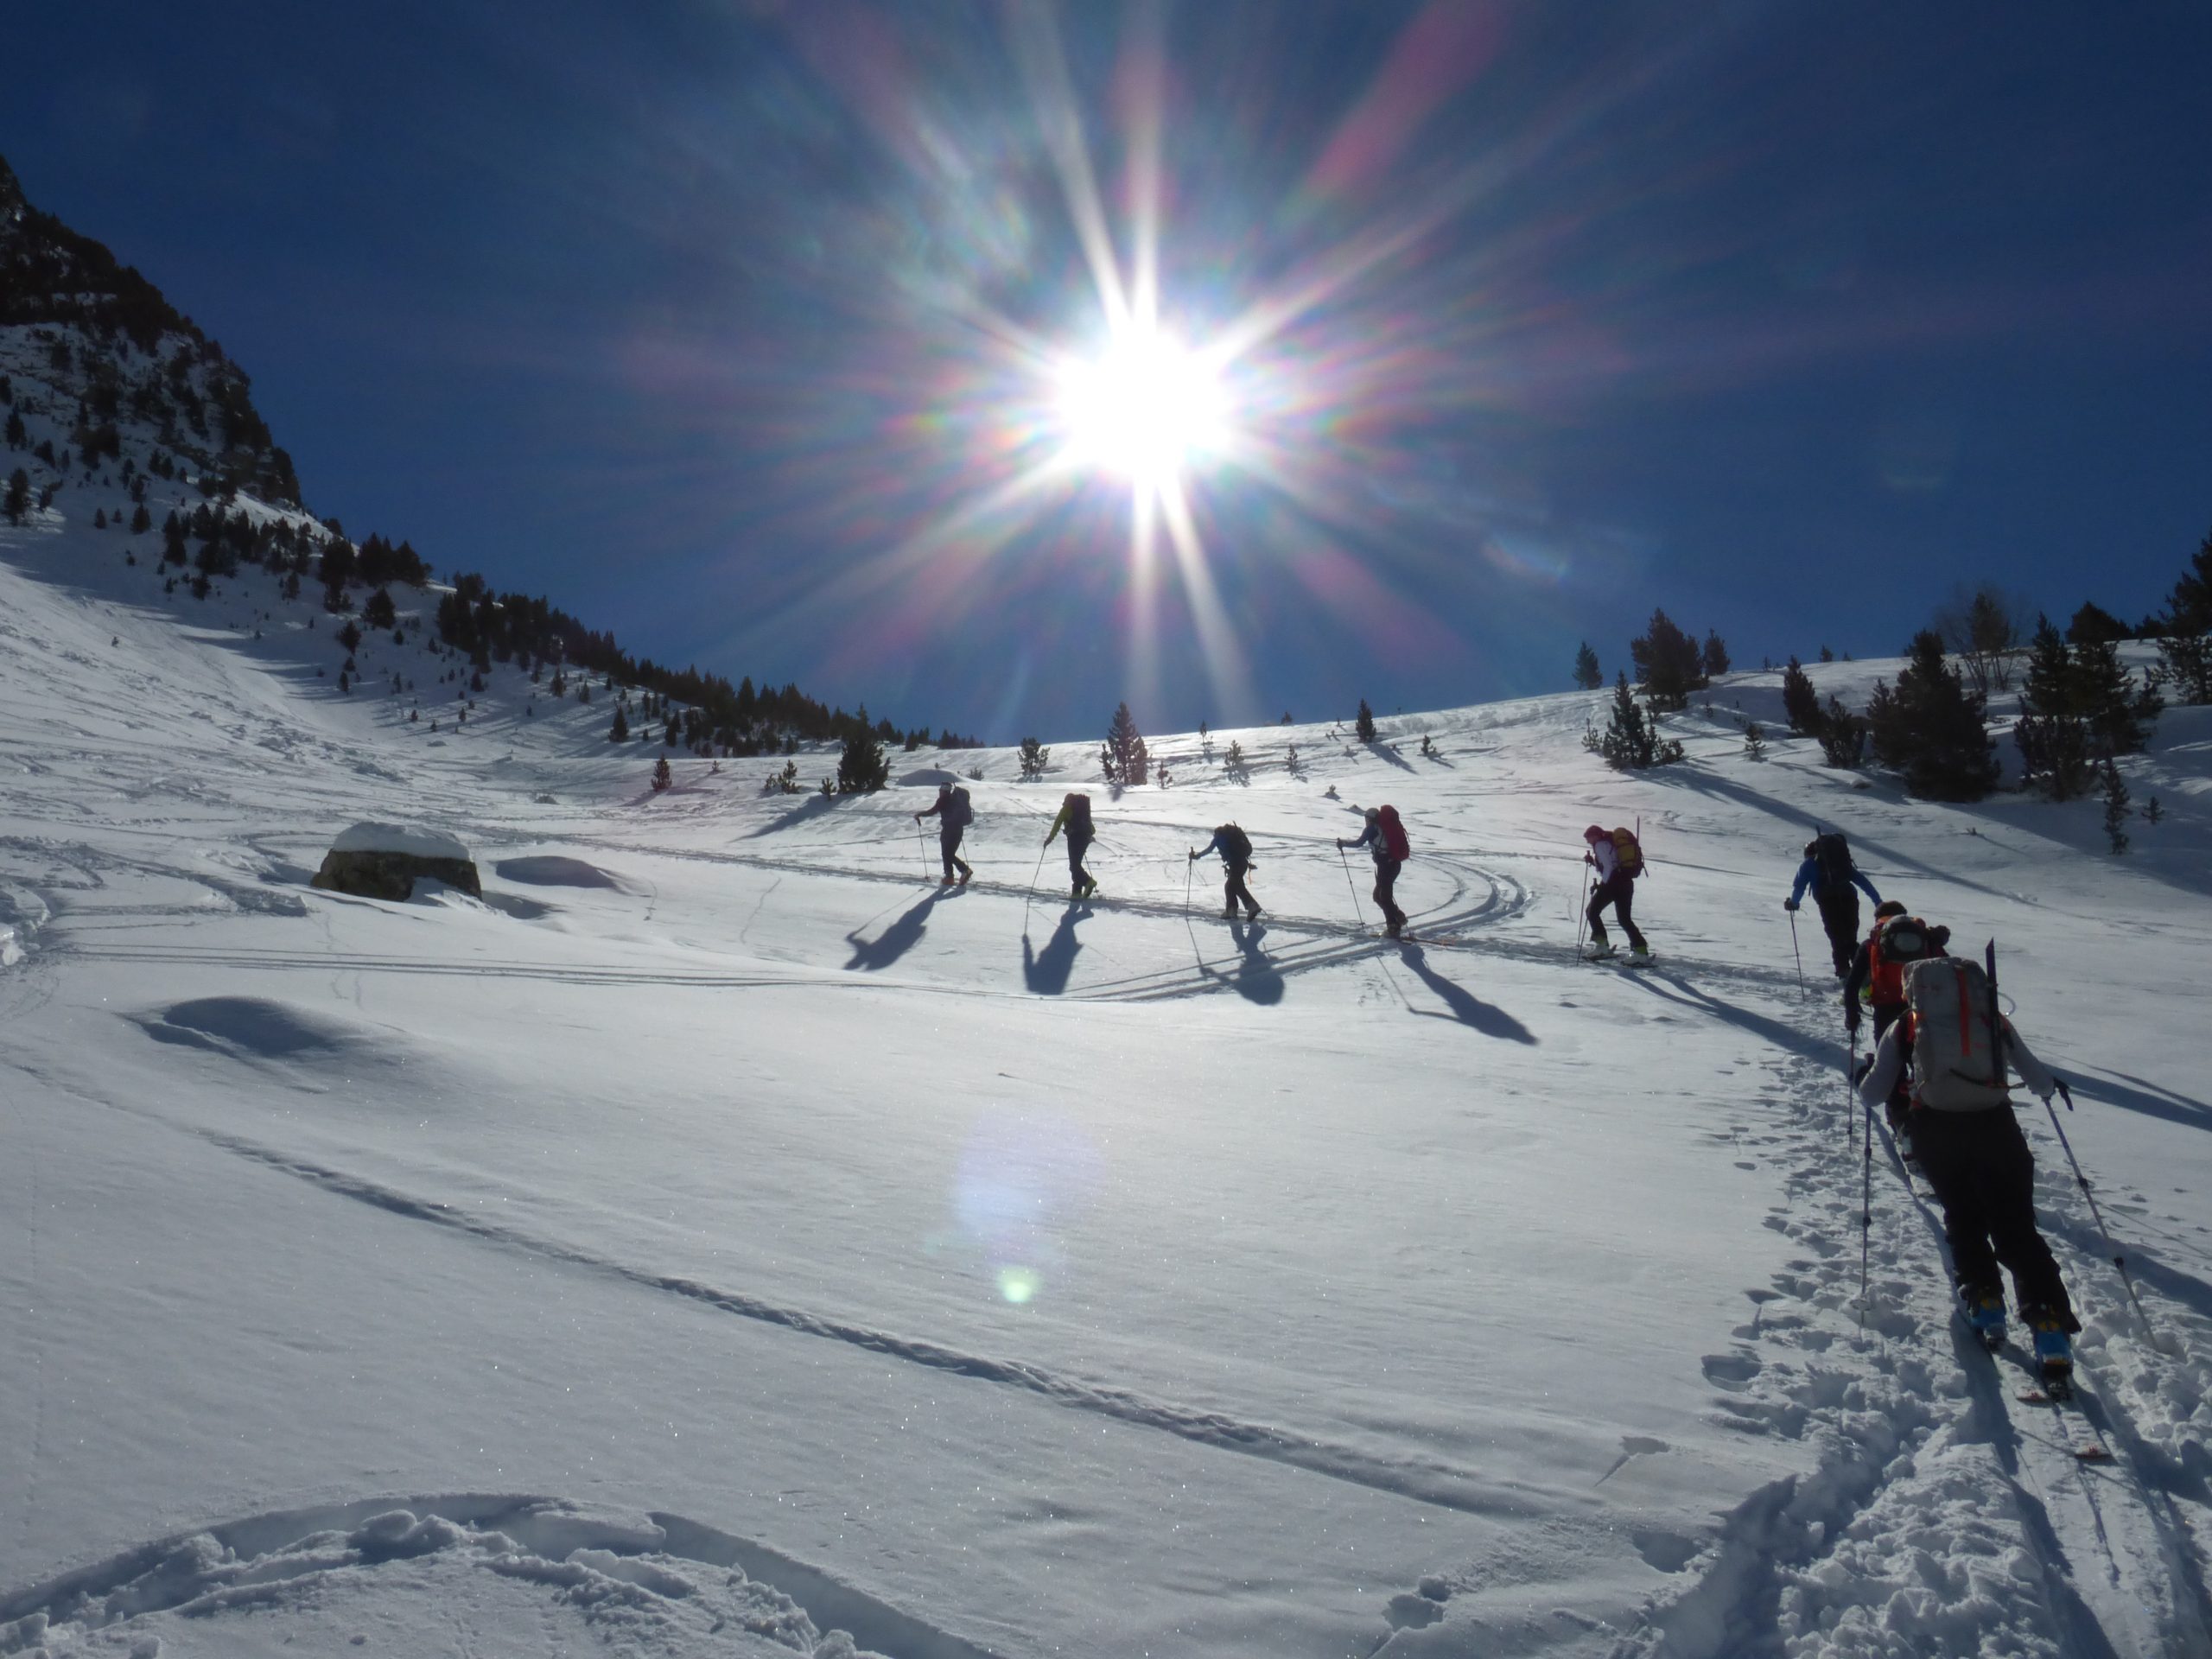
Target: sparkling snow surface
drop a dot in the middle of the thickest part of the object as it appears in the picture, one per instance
(722, 1240)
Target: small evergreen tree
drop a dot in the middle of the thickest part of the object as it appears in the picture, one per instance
(18, 437)
(141, 520)
(1843, 736)
(1587, 675)
(1716, 655)
(1668, 665)
(1630, 742)
(863, 768)
(1035, 757)
(350, 635)
(2094, 625)
(2152, 811)
(2116, 809)
(1235, 762)
(1754, 741)
(662, 776)
(2053, 738)
(1800, 702)
(1364, 726)
(99, 518)
(2184, 653)
(380, 610)
(1125, 759)
(620, 731)
(17, 501)
(1930, 729)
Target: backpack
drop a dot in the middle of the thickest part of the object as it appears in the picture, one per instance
(1832, 859)
(1394, 834)
(1955, 1035)
(1236, 845)
(957, 811)
(1628, 852)
(1079, 807)
(1886, 960)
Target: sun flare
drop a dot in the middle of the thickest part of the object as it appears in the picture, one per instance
(1147, 408)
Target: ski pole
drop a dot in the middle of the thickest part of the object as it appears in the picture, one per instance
(1351, 887)
(1865, 1214)
(2119, 1259)
(1795, 952)
(1581, 908)
(1029, 898)
(1851, 1075)
(922, 847)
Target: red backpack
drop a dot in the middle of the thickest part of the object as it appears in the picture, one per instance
(1394, 834)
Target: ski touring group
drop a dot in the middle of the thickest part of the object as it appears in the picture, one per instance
(1940, 1068)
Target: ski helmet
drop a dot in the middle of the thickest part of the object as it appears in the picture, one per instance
(1373, 813)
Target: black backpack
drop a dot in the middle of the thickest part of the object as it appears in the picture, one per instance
(1236, 845)
(959, 811)
(1832, 858)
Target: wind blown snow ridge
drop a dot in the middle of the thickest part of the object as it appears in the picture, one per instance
(1432, 1483)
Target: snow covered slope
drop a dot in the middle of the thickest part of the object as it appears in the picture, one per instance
(721, 1237)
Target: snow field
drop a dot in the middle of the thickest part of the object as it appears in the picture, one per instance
(974, 1273)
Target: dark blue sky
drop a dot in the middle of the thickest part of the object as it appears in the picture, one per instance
(697, 318)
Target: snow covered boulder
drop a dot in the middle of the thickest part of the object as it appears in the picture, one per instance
(382, 861)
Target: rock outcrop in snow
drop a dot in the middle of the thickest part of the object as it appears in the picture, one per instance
(382, 861)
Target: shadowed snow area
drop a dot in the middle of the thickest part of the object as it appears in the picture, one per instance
(972, 1271)
(550, 870)
(248, 1025)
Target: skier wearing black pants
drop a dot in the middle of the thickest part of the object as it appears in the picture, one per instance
(1616, 887)
(952, 813)
(1971, 1147)
(1075, 818)
(1828, 870)
(1377, 839)
(1236, 849)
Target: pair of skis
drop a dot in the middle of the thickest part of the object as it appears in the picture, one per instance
(2045, 1387)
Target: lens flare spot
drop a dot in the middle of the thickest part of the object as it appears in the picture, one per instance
(1017, 1285)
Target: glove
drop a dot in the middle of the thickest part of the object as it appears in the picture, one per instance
(1340, 843)
(1851, 1020)
(1192, 859)
(1789, 904)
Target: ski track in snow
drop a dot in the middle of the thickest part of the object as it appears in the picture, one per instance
(329, 1578)
(1437, 1485)
(1927, 1510)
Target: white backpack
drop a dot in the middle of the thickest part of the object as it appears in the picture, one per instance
(1958, 1063)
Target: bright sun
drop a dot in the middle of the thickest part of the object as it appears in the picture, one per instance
(1145, 410)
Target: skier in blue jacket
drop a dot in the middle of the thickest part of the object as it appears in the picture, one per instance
(1827, 870)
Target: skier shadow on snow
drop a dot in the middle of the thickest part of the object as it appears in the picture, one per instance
(894, 942)
(2146, 1098)
(1390, 752)
(1683, 995)
(1257, 979)
(1046, 971)
(1466, 1007)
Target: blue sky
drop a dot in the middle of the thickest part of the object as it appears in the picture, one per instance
(726, 324)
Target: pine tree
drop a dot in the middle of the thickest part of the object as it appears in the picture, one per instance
(380, 610)
(1125, 759)
(2118, 713)
(1716, 655)
(1668, 663)
(619, 732)
(1364, 726)
(1234, 760)
(2184, 653)
(863, 768)
(18, 437)
(17, 501)
(1630, 742)
(1800, 702)
(2054, 739)
(2116, 809)
(662, 776)
(1035, 757)
(1587, 674)
(1754, 741)
(2093, 625)
(1929, 728)
(141, 521)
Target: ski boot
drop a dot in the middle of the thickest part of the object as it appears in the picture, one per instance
(966, 871)
(948, 881)
(2054, 1353)
(1639, 953)
(1090, 886)
(1987, 1315)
